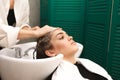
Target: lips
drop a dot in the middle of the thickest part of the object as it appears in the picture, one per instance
(73, 43)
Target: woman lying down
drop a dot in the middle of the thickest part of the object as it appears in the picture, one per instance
(71, 68)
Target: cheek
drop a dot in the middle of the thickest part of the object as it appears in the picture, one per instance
(61, 46)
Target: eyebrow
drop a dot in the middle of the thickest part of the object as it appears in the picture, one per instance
(59, 34)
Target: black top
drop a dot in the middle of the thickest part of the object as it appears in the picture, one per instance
(87, 74)
(11, 18)
(0, 48)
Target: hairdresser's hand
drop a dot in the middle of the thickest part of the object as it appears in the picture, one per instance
(26, 27)
(34, 32)
(42, 31)
(35, 28)
(29, 28)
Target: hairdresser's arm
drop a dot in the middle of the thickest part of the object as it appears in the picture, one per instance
(35, 32)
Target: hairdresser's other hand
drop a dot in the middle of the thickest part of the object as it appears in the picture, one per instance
(42, 31)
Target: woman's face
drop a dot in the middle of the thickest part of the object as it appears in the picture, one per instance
(63, 43)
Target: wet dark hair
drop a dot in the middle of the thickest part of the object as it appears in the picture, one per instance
(43, 44)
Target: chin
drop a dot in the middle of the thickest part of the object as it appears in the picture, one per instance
(75, 49)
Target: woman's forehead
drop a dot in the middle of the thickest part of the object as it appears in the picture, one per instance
(57, 32)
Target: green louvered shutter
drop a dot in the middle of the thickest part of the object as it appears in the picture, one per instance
(97, 30)
(68, 14)
(114, 50)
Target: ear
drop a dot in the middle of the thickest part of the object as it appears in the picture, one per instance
(50, 53)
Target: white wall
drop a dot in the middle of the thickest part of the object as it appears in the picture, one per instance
(34, 12)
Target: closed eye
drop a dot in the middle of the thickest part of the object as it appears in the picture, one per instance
(61, 37)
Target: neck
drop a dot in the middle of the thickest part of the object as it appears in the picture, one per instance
(70, 59)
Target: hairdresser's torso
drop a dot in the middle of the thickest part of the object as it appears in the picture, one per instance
(21, 10)
(8, 34)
